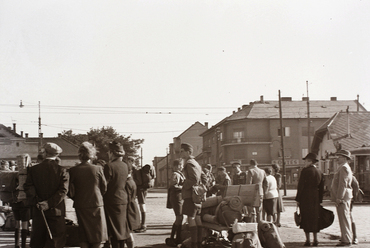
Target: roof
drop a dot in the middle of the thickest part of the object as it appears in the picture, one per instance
(290, 110)
(351, 130)
(10, 131)
(196, 123)
(69, 149)
(293, 109)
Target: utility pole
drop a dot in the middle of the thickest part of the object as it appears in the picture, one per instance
(40, 133)
(141, 158)
(308, 121)
(168, 170)
(282, 143)
(217, 147)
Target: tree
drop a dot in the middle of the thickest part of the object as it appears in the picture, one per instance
(101, 137)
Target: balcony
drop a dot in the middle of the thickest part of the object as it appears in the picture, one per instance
(246, 141)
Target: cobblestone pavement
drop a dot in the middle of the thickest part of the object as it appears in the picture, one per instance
(160, 219)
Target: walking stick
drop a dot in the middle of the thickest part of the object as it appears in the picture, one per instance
(46, 223)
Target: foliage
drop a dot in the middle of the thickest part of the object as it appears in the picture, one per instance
(101, 137)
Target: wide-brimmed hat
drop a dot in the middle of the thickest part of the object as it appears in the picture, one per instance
(311, 156)
(344, 153)
(116, 148)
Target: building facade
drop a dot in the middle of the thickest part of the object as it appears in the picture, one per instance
(253, 132)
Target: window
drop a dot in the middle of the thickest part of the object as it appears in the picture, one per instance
(238, 134)
(304, 131)
(286, 131)
(220, 136)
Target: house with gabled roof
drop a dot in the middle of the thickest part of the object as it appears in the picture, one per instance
(13, 144)
(254, 132)
(192, 136)
(344, 130)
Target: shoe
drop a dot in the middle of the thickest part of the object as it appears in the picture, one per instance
(307, 243)
(278, 225)
(315, 243)
(355, 242)
(343, 244)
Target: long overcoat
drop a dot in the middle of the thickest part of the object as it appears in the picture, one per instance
(309, 195)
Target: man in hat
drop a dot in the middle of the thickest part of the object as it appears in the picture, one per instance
(341, 194)
(115, 199)
(256, 175)
(192, 172)
(46, 186)
(239, 177)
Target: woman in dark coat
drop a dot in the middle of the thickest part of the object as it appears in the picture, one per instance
(87, 187)
(309, 197)
(133, 212)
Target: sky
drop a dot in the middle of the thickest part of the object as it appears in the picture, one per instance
(151, 69)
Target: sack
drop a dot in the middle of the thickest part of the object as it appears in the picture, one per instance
(8, 186)
(227, 215)
(297, 217)
(269, 235)
(246, 240)
(147, 176)
(242, 227)
(326, 218)
(198, 194)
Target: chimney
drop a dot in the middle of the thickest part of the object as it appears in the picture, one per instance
(286, 99)
(41, 135)
(261, 99)
(22, 133)
(233, 111)
(239, 109)
(333, 98)
(14, 127)
(59, 135)
(206, 124)
(26, 135)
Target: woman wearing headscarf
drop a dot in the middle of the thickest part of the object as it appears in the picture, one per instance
(309, 197)
(87, 187)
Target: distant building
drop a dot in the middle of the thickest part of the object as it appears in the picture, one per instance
(13, 144)
(253, 132)
(192, 136)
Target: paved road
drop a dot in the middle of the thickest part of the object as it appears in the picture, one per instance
(160, 219)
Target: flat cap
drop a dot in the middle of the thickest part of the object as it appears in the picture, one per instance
(52, 148)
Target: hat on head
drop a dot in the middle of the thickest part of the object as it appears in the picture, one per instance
(52, 149)
(311, 156)
(116, 148)
(253, 162)
(344, 153)
(187, 147)
(208, 166)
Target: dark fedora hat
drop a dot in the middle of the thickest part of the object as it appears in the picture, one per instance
(116, 148)
(311, 156)
(344, 153)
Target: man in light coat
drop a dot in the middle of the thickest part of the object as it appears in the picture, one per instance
(256, 175)
(341, 194)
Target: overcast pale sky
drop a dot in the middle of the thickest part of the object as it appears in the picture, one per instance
(152, 68)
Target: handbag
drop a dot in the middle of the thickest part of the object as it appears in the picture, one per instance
(297, 217)
(326, 218)
(198, 194)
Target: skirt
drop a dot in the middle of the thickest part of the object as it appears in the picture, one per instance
(190, 208)
(92, 217)
(269, 205)
(117, 224)
(279, 204)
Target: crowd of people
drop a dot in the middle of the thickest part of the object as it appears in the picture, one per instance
(103, 197)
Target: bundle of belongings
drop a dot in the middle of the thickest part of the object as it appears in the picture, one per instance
(227, 223)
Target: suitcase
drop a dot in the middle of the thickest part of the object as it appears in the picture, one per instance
(246, 240)
(269, 235)
(72, 237)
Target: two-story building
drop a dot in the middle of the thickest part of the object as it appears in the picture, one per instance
(254, 132)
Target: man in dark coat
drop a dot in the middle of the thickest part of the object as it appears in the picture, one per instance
(115, 199)
(46, 186)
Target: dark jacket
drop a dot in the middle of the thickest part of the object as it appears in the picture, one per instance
(87, 185)
(116, 174)
(310, 192)
(48, 181)
(192, 172)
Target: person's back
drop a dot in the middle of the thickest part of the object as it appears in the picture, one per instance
(271, 191)
(116, 174)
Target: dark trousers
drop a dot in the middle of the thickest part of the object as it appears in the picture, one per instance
(40, 236)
